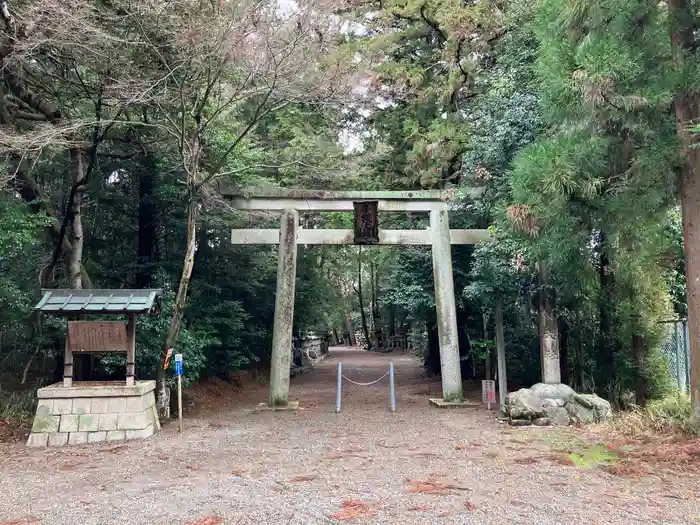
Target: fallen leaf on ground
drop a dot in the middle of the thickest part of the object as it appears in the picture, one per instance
(238, 472)
(191, 467)
(432, 486)
(418, 507)
(351, 509)
(304, 477)
(209, 520)
(445, 513)
(163, 458)
(21, 521)
(469, 505)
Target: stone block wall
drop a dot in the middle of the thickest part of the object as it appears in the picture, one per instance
(89, 414)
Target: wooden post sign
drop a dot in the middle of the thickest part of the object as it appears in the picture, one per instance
(97, 336)
(366, 222)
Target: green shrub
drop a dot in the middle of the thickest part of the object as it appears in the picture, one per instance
(670, 415)
(18, 408)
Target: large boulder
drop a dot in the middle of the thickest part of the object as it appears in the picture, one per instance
(556, 404)
(523, 404)
(558, 416)
(580, 414)
(554, 391)
(600, 407)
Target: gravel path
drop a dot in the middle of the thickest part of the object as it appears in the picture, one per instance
(234, 467)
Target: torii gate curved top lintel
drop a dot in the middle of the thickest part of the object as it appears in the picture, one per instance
(290, 201)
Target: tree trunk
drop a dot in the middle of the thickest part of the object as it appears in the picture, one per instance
(392, 319)
(638, 353)
(432, 355)
(606, 335)
(75, 256)
(487, 361)
(147, 233)
(180, 298)
(579, 354)
(682, 25)
(548, 331)
(564, 349)
(365, 329)
(348, 326)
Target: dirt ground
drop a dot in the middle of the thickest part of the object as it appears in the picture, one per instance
(418, 465)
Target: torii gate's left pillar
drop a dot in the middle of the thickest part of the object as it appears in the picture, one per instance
(284, 311)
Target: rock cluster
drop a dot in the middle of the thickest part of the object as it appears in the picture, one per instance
(557, 405)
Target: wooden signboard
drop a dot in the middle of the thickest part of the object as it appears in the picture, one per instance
(366, 222)
(97, 336)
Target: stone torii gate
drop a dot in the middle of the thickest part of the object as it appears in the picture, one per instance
(289, 202)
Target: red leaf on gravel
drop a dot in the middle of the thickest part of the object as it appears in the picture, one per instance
(469, 505)
(418, 507)
(351, 509)
(192, 467)
(209, 520)
(432, 486)
(163, 458)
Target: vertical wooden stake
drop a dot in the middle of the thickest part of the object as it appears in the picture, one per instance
(68, 365)
(130, 350)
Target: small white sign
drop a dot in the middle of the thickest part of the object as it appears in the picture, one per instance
(178, 357)
(488, 391)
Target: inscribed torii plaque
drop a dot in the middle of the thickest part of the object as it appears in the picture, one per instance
(366, 222)
(97, 336)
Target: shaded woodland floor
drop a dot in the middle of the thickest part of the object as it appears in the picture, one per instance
(419, 465)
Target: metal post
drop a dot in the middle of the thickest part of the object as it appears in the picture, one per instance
(392, 388)
(338, 394)
(179, 401)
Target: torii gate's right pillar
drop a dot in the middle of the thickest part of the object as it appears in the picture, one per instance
(446, 307)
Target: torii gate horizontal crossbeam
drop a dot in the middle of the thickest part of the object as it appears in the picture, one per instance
(342, 237)
(278, 199)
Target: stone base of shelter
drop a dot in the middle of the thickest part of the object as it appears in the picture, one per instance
(93, 412)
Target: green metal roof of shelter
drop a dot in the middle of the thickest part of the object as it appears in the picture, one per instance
(120, 301)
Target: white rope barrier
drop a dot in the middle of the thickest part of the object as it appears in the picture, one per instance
(365, 384)
(392, 389)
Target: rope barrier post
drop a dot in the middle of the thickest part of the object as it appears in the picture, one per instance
(392, 389)
(340, 388)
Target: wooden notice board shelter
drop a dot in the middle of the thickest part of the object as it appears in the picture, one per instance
(100, 336)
